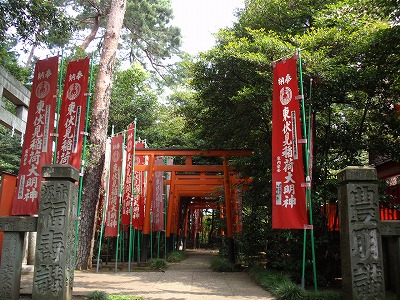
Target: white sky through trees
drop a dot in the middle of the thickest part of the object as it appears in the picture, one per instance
(200, 19)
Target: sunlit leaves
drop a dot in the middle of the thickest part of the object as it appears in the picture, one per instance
(33, 22)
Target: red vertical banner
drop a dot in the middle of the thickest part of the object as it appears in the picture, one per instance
(238, 196)
(73, 113)
(114, 186)
(198, 220)
(288, 195)
(138, 197)
(37, 148)
(157, 205)
(127, 199)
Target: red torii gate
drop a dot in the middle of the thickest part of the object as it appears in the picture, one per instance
(190, 180)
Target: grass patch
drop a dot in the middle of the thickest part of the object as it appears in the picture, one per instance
(282, 287)
(97, 295)
(124, 297)
(100, 295)
(176, 256)
(289, 291)
(221, 264)
(157, 264)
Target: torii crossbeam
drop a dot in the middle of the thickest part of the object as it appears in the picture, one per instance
(192, 180)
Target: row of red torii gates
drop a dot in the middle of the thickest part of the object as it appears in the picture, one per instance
(194, 186)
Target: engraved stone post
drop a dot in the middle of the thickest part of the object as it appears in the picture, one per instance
(30, 260)
(54, 259)
(360, 240)
(11, 258)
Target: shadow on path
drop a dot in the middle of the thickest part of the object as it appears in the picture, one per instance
(191, 279)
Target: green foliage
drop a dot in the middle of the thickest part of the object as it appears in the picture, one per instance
(132, 97)
(148, 36)
(221, 263)
(9, 61)
(124, 297)
(269, 280)
(97, 295)
(157, 263)
(289, 291)
(149, 31)
(10, 151)
(176, 256)
(34, 22)
(282, 287)
(349, 50)
(287, 17)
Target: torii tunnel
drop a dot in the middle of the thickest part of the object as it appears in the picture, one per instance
(195, 186)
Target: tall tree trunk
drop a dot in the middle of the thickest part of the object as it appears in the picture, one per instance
(98, 135)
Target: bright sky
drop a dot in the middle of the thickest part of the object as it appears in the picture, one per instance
(199, 19)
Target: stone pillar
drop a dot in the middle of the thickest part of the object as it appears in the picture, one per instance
(360, 240)
(25, 249)
(396, 242)
(54, 259)
(30, 260)
(390, 229)
(11, 258)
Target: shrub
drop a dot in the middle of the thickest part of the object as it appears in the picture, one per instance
(221, 264)
(281, 286)
(269, 279)
(176, 256)
(157, 263)
(288, 290)
(97, 295)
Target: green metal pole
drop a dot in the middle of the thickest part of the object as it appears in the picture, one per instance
(133, 243)
(131, 230)
(303, 276)
(98, 252)
(58, 106)
(122, 243)
(165, 212)
(138, 246)
(308, 190)
(120, 204)
(151, 235)
(103, 218)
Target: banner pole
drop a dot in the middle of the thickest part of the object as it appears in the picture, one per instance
(151, 243)
(105, 204)
(133, 243)
(122, 243)
(165, 209)
(121, 184)
(100, 240)
(307, 204)
(308, 191)
(138, 246)
(309, 141)
(132, 195)
(58, 106)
